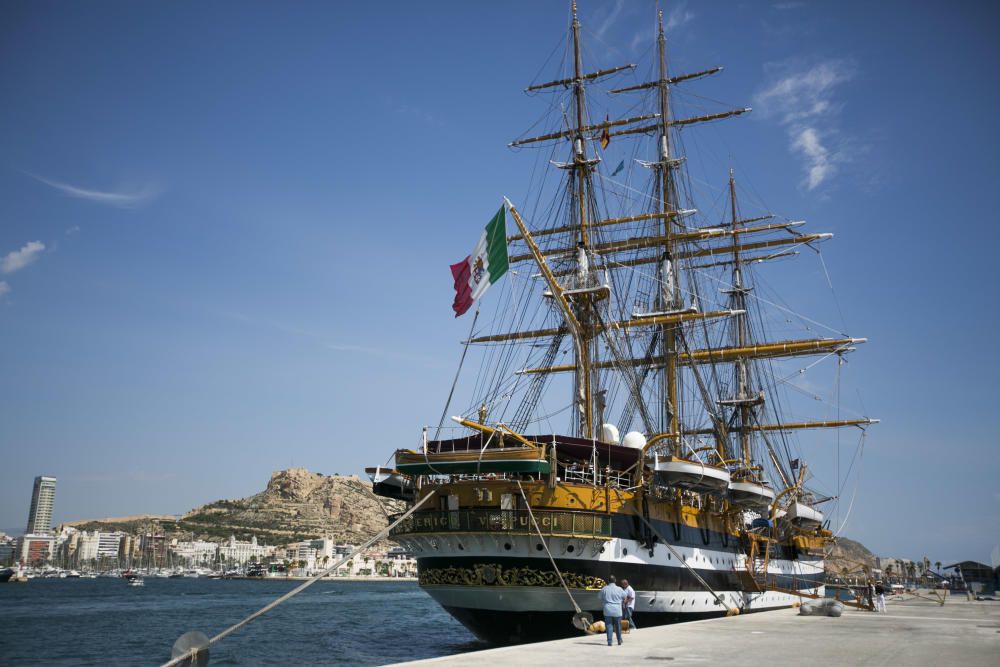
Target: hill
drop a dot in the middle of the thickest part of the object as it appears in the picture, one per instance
(848, 556)
(297, 504)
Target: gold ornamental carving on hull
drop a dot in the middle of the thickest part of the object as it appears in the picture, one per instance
(493, 574)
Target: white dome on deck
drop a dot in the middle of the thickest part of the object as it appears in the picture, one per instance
(609, 434)
(634, 439)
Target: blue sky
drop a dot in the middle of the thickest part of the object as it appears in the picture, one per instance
(225, 229)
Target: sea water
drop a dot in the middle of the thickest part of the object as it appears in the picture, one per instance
(104, 621)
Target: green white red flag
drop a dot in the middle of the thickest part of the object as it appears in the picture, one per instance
(488, 261)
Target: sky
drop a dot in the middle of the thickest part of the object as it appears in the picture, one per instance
(225, 229)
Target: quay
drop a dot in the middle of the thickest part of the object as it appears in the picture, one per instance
(912, 632)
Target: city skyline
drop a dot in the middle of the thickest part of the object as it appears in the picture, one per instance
(226, 234)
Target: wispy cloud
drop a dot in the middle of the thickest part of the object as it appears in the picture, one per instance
(75, 229)
(610, 19)
(678, 16)
(4, 287)
(816, 154)
(124, 199)
(18, 259)
(803, 100)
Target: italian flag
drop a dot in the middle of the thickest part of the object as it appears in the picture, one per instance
(488, 261)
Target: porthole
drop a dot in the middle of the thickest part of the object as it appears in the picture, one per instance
(673, 602)
(669, 557)
(571, 548)
(539, 547)
(506, 545)
(683, 602)
(624, 552)
(460, 547)
(602, 549)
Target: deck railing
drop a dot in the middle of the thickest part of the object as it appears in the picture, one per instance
(573, 524)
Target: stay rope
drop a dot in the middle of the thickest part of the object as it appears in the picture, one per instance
(192, 654)
(546, 546)
(730, 611)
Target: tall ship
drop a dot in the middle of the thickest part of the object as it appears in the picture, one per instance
(625, 415)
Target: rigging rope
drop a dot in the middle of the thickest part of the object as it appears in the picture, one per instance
(552, 560)
(465, 349)
(192, 655)
(730, 611)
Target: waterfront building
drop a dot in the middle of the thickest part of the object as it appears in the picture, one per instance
(86, 545)
(325, 548)
(36, 549)
(43, 500)
(197, 552)
(243, 552)
(307, 554)
(978, 577)
(107, 544)
(153, 550)
(128, 549)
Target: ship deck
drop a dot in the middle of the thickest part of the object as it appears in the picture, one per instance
(912, 632)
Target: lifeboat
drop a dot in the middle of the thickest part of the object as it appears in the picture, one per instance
(804, 515)
(747, 493)
(527, 459)
(389, 483)
(692, 475)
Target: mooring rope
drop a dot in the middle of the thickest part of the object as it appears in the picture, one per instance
(551, 559)
(191, 655)
(730, 611)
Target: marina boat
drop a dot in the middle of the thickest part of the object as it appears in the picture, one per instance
(6, 574)
(629, 312)
(133, 579)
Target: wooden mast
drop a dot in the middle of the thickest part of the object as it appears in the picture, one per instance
(583, 386)
(669, 286)
(743, 397)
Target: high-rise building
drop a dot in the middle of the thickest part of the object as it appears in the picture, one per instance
(43, 500)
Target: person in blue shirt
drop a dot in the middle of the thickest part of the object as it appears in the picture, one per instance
(612, 597)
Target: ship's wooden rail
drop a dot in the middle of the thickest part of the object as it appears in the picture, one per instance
(553, 523)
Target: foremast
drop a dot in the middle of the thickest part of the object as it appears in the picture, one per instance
(582, 318)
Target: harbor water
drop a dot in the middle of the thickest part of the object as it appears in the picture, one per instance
(104, 621)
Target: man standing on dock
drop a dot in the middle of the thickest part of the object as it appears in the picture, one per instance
(612, 597)
(879, 598)
(629, 605)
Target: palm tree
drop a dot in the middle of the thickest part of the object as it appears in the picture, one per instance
(937, 566)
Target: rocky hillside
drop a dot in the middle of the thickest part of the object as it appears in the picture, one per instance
(848, 556)
(297, 504)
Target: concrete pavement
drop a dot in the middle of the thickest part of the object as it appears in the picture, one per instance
(914, 632)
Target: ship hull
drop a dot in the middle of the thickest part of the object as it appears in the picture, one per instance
(507, 599)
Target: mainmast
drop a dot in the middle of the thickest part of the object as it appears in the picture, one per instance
(586, 376)
(668, 283)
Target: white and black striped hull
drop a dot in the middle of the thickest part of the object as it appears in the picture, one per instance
(504, 589)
